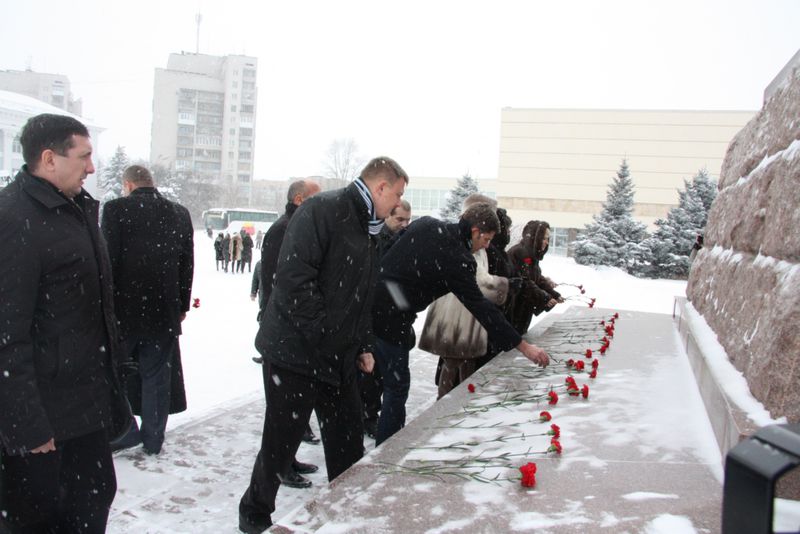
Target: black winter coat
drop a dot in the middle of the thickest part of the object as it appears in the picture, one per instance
(247, 248)
(150, 242)
(270, 247)
(317, 319)
(431, 259)
(58, 340)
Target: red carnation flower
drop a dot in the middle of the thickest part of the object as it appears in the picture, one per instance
(593, 374)
(583, 291)
(616, 315)
(588, 353)
(580, 287)
(528, 475)
(471, 388)
(196, 303)
(570, 381)
(579, 365)
(602, 323)
(545, 416)
(570, 362)
(605, 339)
(527, 261)
(585, 391)
(591, 303)
(595, 363)
(555, 431)
(553, 397)
(603, 349)
(555, 446)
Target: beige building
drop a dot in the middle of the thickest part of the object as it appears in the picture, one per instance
(204, 120)
(53, 89)
(556, 164)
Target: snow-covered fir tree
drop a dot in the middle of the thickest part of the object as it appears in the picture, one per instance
(455, 199)
(668, 249)
(615, 237)
(109, 179)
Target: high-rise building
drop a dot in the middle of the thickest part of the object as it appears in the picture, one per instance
(53, 89)
(204, 120)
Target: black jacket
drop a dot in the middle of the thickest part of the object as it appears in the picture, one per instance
(431, 259)
(317, 319)
(270, 247)
(58, 340)
(150, 243)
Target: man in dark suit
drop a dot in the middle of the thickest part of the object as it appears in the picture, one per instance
(60, 399)
(151, 247)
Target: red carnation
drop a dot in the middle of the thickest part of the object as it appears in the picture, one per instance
(583, 291)
(585, 391)
(588, 353)
(593, 374)
(605, 339)
(602, 323)
(570, 362)
(196, 303)
(603, 349)
(545, 416)
(528, 475)
(527, 261)
(555, 446)
(555, 431)
(570, 381)
(595, 363)
(591, 303)
(579, 365)
(553, 397)
(616, 315)
(471, 388)
(580, 287)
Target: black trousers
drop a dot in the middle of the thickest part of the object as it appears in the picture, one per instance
(68, 490)
(290, 399)
(371, 388)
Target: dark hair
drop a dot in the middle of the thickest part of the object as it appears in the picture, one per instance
(483, 217)
(383, 166)
(502, 237)
(138, 175)
(48, 132)
(533, 237)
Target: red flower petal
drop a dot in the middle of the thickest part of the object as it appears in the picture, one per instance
(471, 388)
(585, 391)
(545, 416)
(553, 397)
(588, 353)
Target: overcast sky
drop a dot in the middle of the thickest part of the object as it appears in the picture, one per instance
(421, 81)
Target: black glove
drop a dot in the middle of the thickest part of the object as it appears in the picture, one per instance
(515, 284)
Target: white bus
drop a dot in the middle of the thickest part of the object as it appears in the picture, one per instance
(234, 219)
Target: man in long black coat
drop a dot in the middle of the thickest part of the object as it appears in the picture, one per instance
(60, 400)
(429, 260)
(150, 242)
(315, 331)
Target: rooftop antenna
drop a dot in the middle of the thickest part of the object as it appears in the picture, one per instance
(198, 18)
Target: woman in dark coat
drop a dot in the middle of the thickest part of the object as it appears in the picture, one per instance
(218, 250)
(538, 293)
(226, 251)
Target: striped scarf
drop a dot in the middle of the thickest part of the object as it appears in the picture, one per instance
(375, 225)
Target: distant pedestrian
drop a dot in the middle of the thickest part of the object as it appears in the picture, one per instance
(259, 238)
(235, 248)
(226, 251)
(219, 256)
(247, 250)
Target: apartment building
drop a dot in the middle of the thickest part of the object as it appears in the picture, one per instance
(53, 89)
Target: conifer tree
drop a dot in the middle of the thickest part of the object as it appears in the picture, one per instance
(109, 180)
(455, 199)
(615, 237)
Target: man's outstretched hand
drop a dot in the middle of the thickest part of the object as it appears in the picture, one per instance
(534, 353)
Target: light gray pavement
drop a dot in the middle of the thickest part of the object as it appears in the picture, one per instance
(636, 452)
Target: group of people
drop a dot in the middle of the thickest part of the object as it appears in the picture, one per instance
(91, 316)
(234, 252)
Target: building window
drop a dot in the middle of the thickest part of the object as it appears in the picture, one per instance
(233, 109)
(232, 131)
(184, 153)
(248, 86)
(245, 156)
(244, 178)
(235, 84)
(559, 241)
(245, 143)
(16, 147)
(247, 108)
(185, 130)
(246, 132)
(230, 154)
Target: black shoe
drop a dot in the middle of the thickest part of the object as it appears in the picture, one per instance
(309, 437)
(371, 428)
(295, 480)
(254, 524)
(304, 469)
(258, 359)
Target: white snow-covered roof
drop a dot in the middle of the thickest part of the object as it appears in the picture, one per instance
(31, 106)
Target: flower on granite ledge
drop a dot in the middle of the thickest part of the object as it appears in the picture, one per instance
(545, 416)
(570, 362)
(555, 446)
(591, 303)
(585, 391)
(553, 397)
(579, 365)
(471, 388)
(616, 315)
(595, 363)
(528, 475)
(554, 431)
(603, 349)
(593, 374)
(588, 353)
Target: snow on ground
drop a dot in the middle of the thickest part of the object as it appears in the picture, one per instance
(195, 484)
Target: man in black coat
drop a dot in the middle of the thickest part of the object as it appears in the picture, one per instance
(315, 331)
(150, 242)
(370, 385)
(299, 191)
(429, 260)
(60, 400)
